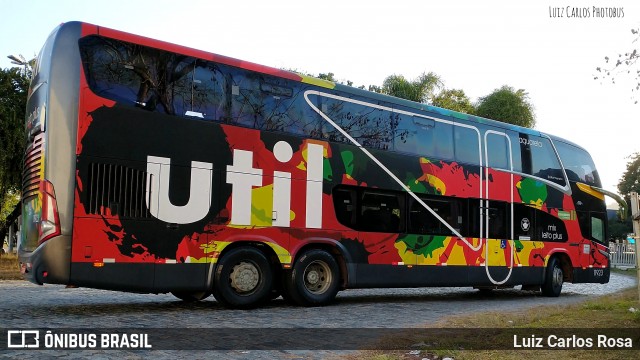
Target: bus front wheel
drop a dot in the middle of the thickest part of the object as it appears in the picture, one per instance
(243, 278)
(553, 278)
(314, 279)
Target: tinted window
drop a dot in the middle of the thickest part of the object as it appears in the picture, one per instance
(247, 107)
(175, 84)
(539, 159)
(424, 137)
(593, 225)
(380, 211)
(467, 149)
(422, 221)
(344, 202)
(498, 227)
(131, 74)
(369, 126)
(498, 152)
(209, 95)
(473, 223)
(367, 209)
(516, 156)
(181, 93)
(578, 164)
(597, 227)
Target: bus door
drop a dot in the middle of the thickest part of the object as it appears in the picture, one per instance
(498, 205)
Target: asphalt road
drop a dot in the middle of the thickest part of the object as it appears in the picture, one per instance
(24, 305)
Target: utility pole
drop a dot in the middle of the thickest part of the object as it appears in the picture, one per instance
(635, 217)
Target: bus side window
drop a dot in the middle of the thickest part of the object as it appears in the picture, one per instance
(598, 224)
(380, 211)
(498, 156)
(592, 225)
(344, 203)
(423, 137)
(179, 89)
(208, 98)
(246, 99)
(467, 148)
(422, 221)
(539, 159)
(498, 220)
(109, 71)
(472, 228)
(370, 126)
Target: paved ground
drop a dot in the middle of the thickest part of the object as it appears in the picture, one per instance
(24, 305)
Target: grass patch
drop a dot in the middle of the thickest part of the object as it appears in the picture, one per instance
(625, 271)
(9, 269)
(605, 312)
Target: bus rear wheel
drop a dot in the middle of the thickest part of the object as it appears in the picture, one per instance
(191, 296)
(243, 278)
(314, 279)
(553, 278)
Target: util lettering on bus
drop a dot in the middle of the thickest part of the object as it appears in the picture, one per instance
(243, 177)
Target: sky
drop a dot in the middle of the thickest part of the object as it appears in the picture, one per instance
(549, 48)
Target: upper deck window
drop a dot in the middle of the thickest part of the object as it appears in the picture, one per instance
(424, 137)
(539, 159)
(370, 126)
(467, 146)
(578, 164)
(153, 79)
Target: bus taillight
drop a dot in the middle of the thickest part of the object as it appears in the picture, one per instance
(50, 221)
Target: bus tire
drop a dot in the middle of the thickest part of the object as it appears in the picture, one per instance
(553, 278)
(243, 278)
(314, 279)
(191, 296)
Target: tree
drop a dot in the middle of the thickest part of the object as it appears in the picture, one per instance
(619, 229)
(626, 64)
(14, 85)
(421, 89)
(507, 105)
(630, 181)
(454, 99)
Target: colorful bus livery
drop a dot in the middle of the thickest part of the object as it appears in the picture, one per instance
(157, 168)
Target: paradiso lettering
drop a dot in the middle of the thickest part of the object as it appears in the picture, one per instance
(242, 176)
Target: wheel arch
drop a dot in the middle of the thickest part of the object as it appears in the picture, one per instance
(565, 263)
(262, 246)
(333, 247)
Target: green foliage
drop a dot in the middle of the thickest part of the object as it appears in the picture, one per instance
(421, 89)
(630, 181)
(14, 85)
(11, 200)
(619, 230)
(454, 99)
(507, 105)
(328, 76)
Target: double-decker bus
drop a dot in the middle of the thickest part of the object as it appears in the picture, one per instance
(156, 168)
